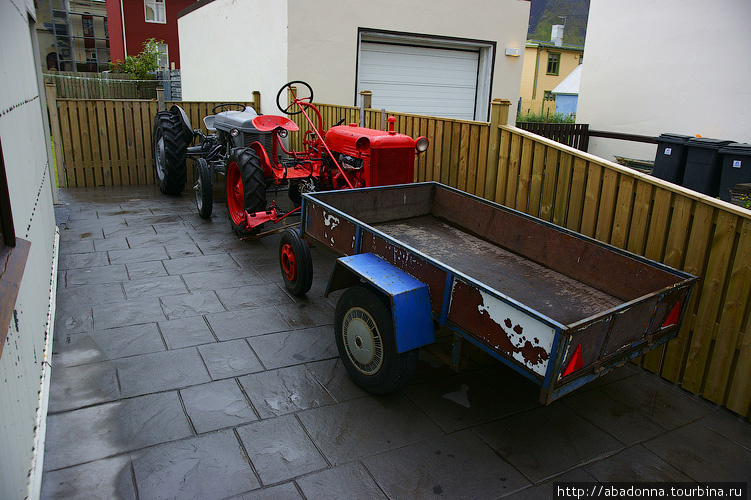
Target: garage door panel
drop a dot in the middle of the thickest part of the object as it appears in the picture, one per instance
(420, 80)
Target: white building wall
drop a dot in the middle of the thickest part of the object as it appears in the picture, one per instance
(24, 140)
(674, 66)
(229, 48)
(323, 41)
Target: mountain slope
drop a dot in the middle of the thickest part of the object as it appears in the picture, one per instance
(545, 13)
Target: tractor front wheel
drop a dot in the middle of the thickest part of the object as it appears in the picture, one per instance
(246, 189)
(295, 263)
(170, 141)
(364, 329)
(202, 174)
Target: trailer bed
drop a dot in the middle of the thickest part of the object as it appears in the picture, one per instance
(552, 293)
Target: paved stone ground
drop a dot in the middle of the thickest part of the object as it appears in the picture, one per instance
(182, 369)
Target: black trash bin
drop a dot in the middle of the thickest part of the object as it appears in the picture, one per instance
(703, 165)
(670, 159)
(736, 167)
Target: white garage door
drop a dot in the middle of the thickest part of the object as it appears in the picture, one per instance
(420, 80)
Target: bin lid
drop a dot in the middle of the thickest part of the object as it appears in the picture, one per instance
(737, 148)
(705, 142)
(673, 138)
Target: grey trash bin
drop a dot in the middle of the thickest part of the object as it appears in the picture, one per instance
(670, 159)
(736, 167)
(703, 165)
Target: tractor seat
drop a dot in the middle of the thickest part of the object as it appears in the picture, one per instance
(267, 123)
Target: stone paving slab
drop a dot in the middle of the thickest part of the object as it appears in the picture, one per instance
(182, 368)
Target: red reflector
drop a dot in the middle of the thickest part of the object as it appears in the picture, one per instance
(673, 316)
(575, 363)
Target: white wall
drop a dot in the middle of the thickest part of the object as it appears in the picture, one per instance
(673, 66)
(323, 42)
(229, 48)
(25, 140)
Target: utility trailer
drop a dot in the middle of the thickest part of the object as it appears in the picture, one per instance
(558, 307)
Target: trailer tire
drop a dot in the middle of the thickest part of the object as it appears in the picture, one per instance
(170, 143)
(203, 174)
(295, 263)
(364, 330)
(246, 189)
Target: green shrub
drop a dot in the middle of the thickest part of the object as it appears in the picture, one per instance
(542, 118)
(140, 65)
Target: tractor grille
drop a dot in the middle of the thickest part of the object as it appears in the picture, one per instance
(266, 141)
(391, 166)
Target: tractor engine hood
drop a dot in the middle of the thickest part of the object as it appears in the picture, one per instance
(354, 140)
(241, 120)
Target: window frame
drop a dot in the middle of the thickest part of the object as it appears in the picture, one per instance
(153, 5)
(13, 255)
(557, 56)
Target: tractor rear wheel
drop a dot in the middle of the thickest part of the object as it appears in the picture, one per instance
(246, 189)
(170, 142)
(295, 263)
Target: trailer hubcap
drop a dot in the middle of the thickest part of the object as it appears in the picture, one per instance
(362, 341)
(289, 262)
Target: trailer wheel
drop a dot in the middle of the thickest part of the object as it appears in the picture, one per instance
(170, 142)
(203, 173)
(246, 188)
(364, 330)
(295, 262)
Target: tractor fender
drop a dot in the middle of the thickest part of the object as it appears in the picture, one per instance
(408, 296)
(184, 116)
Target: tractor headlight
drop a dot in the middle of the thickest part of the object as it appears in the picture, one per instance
(363, 144)
(421, 144)
(283, 133)
(234, 132)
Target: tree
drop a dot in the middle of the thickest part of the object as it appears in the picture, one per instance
(140, 65)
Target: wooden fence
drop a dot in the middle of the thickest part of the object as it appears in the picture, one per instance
(100, 85)
(103, 142)
(110, 142)
(575, 135)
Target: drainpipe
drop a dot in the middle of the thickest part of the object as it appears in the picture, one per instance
(537, 67)
(122, 22)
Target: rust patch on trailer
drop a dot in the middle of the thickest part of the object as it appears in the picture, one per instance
(529, 346)
(331, 230)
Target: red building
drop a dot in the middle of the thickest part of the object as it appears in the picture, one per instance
(132, 22)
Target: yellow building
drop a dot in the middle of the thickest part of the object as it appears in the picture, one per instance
(546, 64)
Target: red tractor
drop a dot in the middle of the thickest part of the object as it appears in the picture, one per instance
(250, 150)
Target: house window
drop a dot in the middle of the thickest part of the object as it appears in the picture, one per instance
(155, 11)
(549, 95)
(163, 52)
(554, 62)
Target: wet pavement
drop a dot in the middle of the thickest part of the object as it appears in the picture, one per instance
(183, 369)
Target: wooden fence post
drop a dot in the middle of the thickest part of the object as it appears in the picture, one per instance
(160, 105)
(257, 101)
(499, 109)
(51, 91)
(366, 102)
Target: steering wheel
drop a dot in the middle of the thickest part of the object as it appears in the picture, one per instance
(227, 106)
(307, 94)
